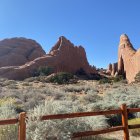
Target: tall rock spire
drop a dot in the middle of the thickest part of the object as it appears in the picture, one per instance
(128, 59)
(125, 43)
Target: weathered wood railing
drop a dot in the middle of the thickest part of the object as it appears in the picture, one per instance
(123, 111)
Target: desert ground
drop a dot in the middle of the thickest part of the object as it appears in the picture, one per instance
(36, 96)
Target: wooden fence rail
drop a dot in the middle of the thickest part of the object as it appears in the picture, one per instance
(123, 111)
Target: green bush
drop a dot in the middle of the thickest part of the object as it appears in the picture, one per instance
(43, 71)
(116, 119)
(61, 78)
(81, 71)
(118, 78)
(111, 80)
(104, 80)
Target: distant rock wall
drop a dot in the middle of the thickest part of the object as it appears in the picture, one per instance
(112, 69)
(63, 56)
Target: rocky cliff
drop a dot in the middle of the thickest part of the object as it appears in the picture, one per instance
(128, 59)
(63, 56)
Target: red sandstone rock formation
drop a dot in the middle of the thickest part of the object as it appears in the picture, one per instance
(18, 51)
(128, 59)
(112, 69)
(64, 56)
(109, 69)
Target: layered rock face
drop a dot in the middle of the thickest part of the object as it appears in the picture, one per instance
(128, 59)
(68, 57)
(18, 51)
(63, 56)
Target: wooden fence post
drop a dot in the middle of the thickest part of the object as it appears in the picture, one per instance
(22, 126)
(125, 121)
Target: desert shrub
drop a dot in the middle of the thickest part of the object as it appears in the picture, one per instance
(81, 71)
(91, 98)
(37, 79)
(118, 78)
(6, 82)
(40, 78)
(111, 80)
(104, 80)
(44, 70)
(30, 98)
(72, 97)
(95, 77)
(77, 88)
(114, 98)
(30, 79)
(24, 99)
(13, 86)
(16, 105)
(121, 95)
(6, 101)
(114, 120)
(137, 77)
(61, 78)
(134, 132)
(8, 132)
(62, 129)
(25, 84)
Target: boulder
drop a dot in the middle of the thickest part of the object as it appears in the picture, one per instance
(18, 51)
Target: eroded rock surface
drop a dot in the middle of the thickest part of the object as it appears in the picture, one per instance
(63, 56)
(128, 59)
(18, 51)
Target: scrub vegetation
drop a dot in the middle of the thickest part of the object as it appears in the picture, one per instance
(39, 97)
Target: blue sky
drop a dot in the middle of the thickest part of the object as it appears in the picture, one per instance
(94, 24)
